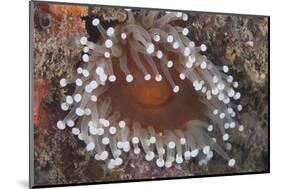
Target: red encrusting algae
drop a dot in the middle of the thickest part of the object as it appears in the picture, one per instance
(40, 91)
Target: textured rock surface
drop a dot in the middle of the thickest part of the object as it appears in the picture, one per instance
(240, 41)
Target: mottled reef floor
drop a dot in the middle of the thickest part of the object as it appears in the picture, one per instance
(239, 41)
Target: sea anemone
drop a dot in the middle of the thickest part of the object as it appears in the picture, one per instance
(145, 89)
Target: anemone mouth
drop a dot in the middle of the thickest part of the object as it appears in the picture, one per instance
(153, 103)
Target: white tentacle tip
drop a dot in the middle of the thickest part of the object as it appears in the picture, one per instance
(225, 137)
(170, 64)
(231, 162)
(194, 152)
(96, 21)
(104, 155)
(185, 31)
(122, 124)
(83, 40)
(110, 31)
(203, 65)
(129, 78)
(75, 131)
(241, 128)
(170, 38)
(78, 82)
(159, 54)
(225, 68)
(206, 149)
(77, 98)
(85, 58)
(112, 78)
(60, 125)
(63, 82)
(149, 156)
(118, 161)
(79, 111)
(150, 48)
(90, 146)
(203, 47)
(176, 89)
(152, 140)
(156, 38)
(179, 14)
(106, 54)
(168, 164)
(179, 160)
(158, 77)
(112, 130)
(135, 140)
(70, 123)
(108, 43)
(182, 76)
(160, 162)
(184, 17)
(137, 150)
(123, 35)
(172, 145)
(147, 77)
(182, 141)
(105, 140)
(210, 128)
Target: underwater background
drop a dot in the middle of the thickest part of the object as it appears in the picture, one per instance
(240, 41)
